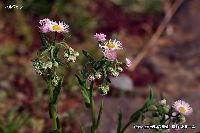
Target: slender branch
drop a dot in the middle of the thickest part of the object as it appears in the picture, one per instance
(151, 44)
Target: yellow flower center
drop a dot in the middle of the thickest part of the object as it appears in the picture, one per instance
(182, 109)
(111, 45)
(57, 27)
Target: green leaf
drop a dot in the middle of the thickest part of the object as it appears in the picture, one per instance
(136, 116)
(56, 50)
(151, 95)
(50, 114)
(84, 91)
(58, 123)
(99, 115)
(86, 97)
(81, 82)
(119, 122)
(87, 55)
(56, 91)
(44, 40)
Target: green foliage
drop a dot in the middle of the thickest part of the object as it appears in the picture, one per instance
(99, 114)
(119, 122)
(56, 91)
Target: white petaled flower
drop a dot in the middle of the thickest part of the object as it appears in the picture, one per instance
(182, 107)
(58, 27)
(112, 45)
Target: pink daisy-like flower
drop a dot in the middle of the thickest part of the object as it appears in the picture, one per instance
(100, 37)
(128, 62)
(58, 27)
(112, 45)
(182, 107)
(110, 54)
(44, 25)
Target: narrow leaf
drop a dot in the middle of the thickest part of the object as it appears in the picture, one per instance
(79, 80)
(99, 115)
(56, 91)
(87, 55)
(86, 97)
(119, 122)
(58, 123)
(136, 116)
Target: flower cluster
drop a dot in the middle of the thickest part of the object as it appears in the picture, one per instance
(47, 25)
(70, 54)
(101, 70)
(49, 61)
(110, 47)
(164, 114)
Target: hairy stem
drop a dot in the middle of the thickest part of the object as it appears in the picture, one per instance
(52, 109)
(92, 109)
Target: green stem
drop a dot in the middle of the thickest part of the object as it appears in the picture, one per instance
(126, 126)
(92, 109)
(52, 109)
(54, 40)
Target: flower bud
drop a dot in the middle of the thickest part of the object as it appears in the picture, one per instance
(115, 73)
(98, 75)
(103, 89)
(163, 102)
(55, 80)
(55, 64)
(152, 108)
(166, 108)
(91, 78)
(181, 119)
(49, 64)
(119, 69)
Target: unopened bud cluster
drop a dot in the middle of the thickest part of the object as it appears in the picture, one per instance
(70, 54)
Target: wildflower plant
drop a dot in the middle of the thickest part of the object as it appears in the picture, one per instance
(99, 70)
(161, 113)
(53, 55)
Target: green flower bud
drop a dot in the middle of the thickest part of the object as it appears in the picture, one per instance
(55, 64)
(76, 54)
(119, 69)
(152, 108)
(115, 73)
(166, 109)
(98, 75)
(181, 119)
(110, 69)
(55, 80)
(103, 89)
(49, 64)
